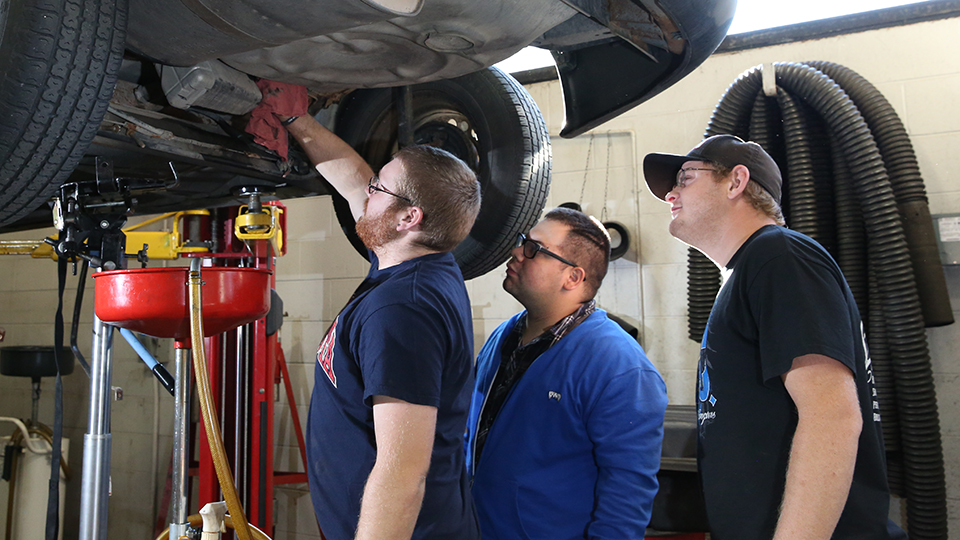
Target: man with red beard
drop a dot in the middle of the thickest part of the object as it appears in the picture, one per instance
(394, 370)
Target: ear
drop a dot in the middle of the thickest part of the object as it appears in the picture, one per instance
(575, 278)
(410, 218)
(739, 176)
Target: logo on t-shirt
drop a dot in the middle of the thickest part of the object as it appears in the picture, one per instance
(325, 352)
(868, 368)
(705, 398)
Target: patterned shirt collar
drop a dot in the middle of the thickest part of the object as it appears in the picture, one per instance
(563, 327)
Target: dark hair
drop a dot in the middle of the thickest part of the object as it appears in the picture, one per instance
(756, 195)
(587, 243)
(445, 189)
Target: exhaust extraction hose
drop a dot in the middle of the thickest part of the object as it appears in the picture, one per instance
(851, 181)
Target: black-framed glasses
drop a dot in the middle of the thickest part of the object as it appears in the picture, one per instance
(374, 185)
(682, 176)
(532, 247)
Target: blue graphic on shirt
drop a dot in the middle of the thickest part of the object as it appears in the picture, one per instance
(705, 387)
(706, 401)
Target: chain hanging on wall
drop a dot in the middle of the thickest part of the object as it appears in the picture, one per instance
(606, 180)
(620, 238)
(586, 172)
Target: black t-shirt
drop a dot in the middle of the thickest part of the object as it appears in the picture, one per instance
(783, 297)
(407, 334)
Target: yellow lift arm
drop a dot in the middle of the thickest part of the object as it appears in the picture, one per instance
(170, 245)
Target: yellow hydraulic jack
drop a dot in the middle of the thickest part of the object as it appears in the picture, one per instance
(260, 226)
(257, 221)
(163, 245)
(158, 244)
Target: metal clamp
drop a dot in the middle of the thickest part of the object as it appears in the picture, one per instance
(260, 225)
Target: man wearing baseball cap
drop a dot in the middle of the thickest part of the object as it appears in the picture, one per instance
(790, 444)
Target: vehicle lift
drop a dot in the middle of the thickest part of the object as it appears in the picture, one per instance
(245, 364)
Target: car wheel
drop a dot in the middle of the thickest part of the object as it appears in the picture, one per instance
(488, 120)
(59, 60)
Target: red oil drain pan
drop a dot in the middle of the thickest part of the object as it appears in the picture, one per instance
(154, 301)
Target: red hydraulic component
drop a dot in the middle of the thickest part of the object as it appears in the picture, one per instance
(245, 364)
(291, 478)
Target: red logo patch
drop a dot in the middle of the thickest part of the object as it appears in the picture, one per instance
(325, 353)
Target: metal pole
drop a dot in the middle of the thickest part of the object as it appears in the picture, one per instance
(35, 410)
(181, 445)
(240, 433)
(95, 484)
(403, 101)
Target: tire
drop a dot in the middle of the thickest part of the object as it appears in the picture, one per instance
(59, 60)
(618, 231)
(505, 142)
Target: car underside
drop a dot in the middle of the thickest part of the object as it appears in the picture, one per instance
(157, 92)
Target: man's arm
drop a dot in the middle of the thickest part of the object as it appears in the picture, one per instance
(626, 428)
(335, 160)
(824, 449)
(395, 487)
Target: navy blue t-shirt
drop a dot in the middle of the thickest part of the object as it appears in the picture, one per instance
(784, 297)
(406, 334)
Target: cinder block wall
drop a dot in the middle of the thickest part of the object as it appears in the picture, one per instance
(912, 67)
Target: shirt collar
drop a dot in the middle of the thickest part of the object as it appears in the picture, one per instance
(562, 327)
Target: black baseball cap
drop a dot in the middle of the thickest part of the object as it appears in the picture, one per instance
(660, 170)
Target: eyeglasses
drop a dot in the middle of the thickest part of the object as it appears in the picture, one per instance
(531, 248)
(683, 178)
(374, 185)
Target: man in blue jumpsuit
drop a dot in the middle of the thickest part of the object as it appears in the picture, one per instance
(566, 423)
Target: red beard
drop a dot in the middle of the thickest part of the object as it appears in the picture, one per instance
(379, 230)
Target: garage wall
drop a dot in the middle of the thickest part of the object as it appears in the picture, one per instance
(911, 66)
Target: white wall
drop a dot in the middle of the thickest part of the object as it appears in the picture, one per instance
(913, 66)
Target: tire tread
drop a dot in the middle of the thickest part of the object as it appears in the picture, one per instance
(60, 58)
(533, 187)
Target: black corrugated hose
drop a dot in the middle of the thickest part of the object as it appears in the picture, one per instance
(851, 181)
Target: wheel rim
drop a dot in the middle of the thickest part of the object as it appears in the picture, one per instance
(451, 131)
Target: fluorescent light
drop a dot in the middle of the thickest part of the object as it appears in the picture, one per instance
(528, 58)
